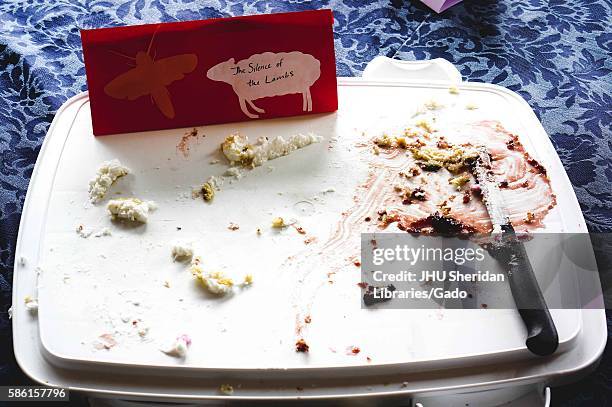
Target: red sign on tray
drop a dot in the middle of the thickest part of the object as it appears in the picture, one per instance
(170, 75)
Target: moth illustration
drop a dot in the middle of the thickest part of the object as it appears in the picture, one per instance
(151, 77)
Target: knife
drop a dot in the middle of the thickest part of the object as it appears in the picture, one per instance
(507, 249)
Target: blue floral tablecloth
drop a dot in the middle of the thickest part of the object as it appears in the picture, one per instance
(556, 54)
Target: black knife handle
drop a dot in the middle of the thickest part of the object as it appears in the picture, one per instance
(542, 337)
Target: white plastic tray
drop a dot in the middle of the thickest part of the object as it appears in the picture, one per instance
(83, 295)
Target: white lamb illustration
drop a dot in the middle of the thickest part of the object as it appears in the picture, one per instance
(269, 74)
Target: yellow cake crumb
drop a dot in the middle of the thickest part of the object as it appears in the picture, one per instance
(425, 125)
(459, 181)
(226, 389)
(214, 281)
(208, 192)
(453, 159)
(237, 149)
(401, 142)
(278, 223)
(383, 141)
(408, 132)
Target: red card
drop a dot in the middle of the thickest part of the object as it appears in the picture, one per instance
(170, 75)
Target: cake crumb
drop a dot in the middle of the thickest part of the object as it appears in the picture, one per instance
(31, 304)
(103, 232)
(401, 142)
(383, 141)
(216, 282)
(353, 350)
(433, 105)
(130, 209)
(179, 347)
(106, 342)
(425, 125)
(80, 230)
(233, 226)
(226, 389)
(215, 182)
(207, 191)
(238, 150)
(182, 251)
(459, 181)
(233, 172)
(301, 346)
(310, 240)
(107, 174)
(248, 280)
(278, 223)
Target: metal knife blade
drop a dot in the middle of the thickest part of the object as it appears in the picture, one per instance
(492, 196)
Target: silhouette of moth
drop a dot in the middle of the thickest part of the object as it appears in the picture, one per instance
(151, 77)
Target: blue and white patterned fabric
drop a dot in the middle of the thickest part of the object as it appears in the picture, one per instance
(556, 54)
